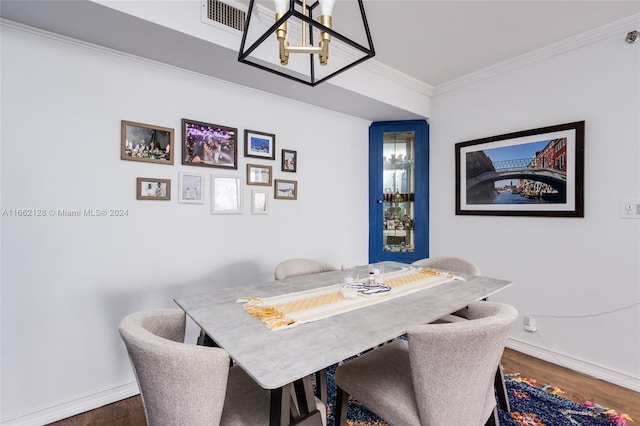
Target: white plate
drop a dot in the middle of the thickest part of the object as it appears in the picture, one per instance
(376, 290)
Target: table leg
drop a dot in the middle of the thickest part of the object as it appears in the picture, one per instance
(321, 385)
(294, 404)
(205, 340)
(279, 412)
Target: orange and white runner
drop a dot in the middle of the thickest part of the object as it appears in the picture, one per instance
(292, 309)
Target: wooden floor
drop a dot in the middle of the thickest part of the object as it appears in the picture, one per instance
(576, 386)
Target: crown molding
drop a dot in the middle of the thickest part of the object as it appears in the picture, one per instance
(390, 73)
(570, 44)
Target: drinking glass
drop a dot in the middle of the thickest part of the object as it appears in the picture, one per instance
(349, 274)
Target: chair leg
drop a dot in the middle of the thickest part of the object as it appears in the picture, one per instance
(493, 419)
(342, 399)
(501, 390)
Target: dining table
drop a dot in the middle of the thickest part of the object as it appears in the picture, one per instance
(284, 360)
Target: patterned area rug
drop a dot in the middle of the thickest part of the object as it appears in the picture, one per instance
(530, 406)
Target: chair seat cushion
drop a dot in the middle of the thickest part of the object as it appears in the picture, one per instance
(242, 389)
(389, 392)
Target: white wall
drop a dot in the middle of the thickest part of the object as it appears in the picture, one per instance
(68, 281)
(567, 272)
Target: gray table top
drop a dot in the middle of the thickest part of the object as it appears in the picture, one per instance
(277, 357)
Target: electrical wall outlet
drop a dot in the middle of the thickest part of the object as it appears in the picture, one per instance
(530, 324)
(631, 209)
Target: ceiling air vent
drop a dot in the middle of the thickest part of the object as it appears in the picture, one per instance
(223, 15)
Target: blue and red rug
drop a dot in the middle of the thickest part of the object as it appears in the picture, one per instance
(530, 406)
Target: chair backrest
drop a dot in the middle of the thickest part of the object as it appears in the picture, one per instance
(179, 383)
(295, 267)
(452, 264)
(453, 365)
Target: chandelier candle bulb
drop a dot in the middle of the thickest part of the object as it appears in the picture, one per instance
(326, 7)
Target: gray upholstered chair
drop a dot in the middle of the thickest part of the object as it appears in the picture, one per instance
(441, 376)
(457, 265)
(464, 266)
(296, 267)
(451, 264)
(183, 384)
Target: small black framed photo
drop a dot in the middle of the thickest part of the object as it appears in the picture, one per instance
(289, 161)
(259, 145)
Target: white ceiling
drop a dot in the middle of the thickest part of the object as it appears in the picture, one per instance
(433, 42)
(437, 41)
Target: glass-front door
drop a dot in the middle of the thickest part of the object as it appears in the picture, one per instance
(398, 191)
(398, 194)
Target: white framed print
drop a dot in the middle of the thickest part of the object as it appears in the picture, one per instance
(191, 188)
(259, 202)
(226, 194)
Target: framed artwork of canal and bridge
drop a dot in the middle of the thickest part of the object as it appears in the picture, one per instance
(538, 172)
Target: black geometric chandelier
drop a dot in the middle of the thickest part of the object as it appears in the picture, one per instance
(306, 43)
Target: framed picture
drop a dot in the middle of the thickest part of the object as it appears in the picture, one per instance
(146, 142)
(191, 188)
(286, 189)
(258, 175)
(259, 144)
(209, 145)
(153, 189)
(537, 172)
(226, 195)
(289, 160)
(259, 202)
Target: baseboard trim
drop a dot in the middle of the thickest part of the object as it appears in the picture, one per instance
(72, 407)
(587, 368)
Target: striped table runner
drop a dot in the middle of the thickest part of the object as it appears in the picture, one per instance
(292, 309)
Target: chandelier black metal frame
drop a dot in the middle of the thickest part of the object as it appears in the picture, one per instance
(299, 10)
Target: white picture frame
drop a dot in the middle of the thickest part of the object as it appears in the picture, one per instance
(191, 190)
(226, 194)
(259, 202)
